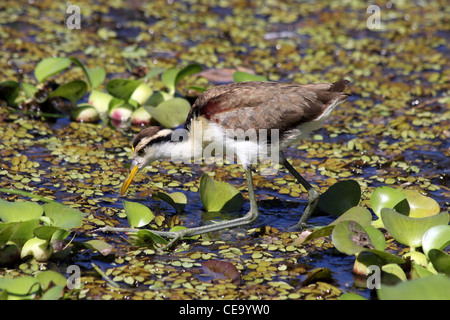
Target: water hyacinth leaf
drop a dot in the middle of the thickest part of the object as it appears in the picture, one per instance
(29, 89)
(420, 205)
(100, 100)
(417, 271)
(122, 88)
(140, 116)
(22, 286)
(219, 269)
(409, 231)
(62, 216)
(440, 261)
(168, 78)
(85, 113)
(322, 232)
(170, 113)
(437, 237)
(177, 200)
(19, 211)
(187, 71)
(72, 91)
(359, 214)
(156, 98)
(101, 246)
(95, 76)
(23, 231)
(9, 91)
(138, 215)
(394, 270)
(387, 197)
(340, 197)
(49, 67)
(219, 196)
(49, 233)
(240, 76)
(430, 288)
(350, 237)
(50, 278)
(39, 249)
(141, 94)
(54, 293)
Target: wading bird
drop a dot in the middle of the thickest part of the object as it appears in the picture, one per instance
(291, 111)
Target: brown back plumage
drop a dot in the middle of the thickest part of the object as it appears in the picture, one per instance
(266, 105)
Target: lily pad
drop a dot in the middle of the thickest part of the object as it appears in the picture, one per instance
(407, 230)
(19, 211)
(219, 196)
(170, 113)
(50, 66)
(177, 200)
(138, 215)
(340, 197)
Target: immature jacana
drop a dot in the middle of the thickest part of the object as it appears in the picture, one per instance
(289, 111)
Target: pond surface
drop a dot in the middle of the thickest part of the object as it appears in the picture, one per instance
(394, 130)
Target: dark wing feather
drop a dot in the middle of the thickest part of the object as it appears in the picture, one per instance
(265, 105)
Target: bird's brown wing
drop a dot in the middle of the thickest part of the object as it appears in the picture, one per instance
(265, 105)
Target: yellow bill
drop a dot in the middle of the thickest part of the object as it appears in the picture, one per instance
(128, 180)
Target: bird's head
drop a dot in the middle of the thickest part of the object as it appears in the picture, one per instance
(147, 147)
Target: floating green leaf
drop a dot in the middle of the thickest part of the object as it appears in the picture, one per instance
(219, 196)
(170, 113)
(240, 76)
(101, 246)
(407, 230)
(138, 215)
(350, 237)
(177, 200)
(19, 211)
(50, 66)
(100, 100)
(172, 76)
(420, 206)
(340, 197)
(430, 288)
(95, 76)
(50, 278)
(437, 237)
(359, 214)
(122, 88)
(72, 91)
(440, 261)
(22, 286)
(387, 197)
(62, 216)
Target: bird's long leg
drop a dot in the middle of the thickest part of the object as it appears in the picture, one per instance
(313, 195)
(248, 218)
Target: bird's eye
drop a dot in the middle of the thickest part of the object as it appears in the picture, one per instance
(141, 153)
